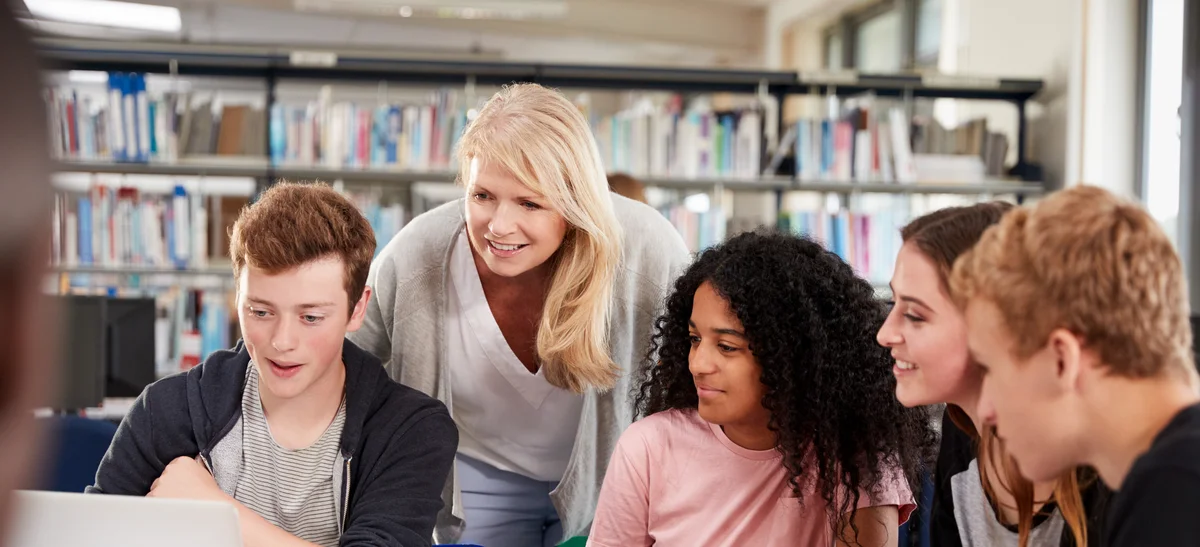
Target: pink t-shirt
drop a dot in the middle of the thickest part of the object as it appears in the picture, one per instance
(675, 479)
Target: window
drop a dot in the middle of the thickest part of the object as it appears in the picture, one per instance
(928, 33)
(877, 43)
(1162, 98)
(889, 36)
(833, 51)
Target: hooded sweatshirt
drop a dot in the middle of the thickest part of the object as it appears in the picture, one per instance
(396, 450)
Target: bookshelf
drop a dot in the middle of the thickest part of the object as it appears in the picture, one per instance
(855, 215)
(184, 167)
(255, 169)
(128, 270)
(722, 151)
(272, 66)
(402, 177)
(720, 157)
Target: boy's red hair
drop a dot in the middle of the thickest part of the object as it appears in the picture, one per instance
(294, 223)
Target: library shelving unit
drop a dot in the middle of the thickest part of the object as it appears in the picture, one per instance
(193, 298)
(273, 69)
(777, 183)
(272, 66)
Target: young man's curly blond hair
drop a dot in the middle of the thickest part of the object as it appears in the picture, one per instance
(1097, 265)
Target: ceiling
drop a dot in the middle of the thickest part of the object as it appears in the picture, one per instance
(655, 32)
(747, 3)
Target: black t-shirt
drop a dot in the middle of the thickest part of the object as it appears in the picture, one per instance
(1159, 502)
(954, 456)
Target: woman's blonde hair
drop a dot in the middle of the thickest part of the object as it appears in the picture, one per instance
(541, 138)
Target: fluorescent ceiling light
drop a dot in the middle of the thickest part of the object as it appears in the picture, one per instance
(445, 9)
(108, 13)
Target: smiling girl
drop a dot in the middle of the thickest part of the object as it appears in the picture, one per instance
(523, 307)
(769, 418)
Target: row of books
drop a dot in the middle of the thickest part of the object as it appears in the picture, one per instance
(386, 218)
(129, 124)
(119, 122)
(968, 139)
(700, 229)
(345, 134)
(860, 139)
(871, 139)
(199, 322)
(861, 145)
(869, 242)
(120, 226)
(864, 230)
(665, 140)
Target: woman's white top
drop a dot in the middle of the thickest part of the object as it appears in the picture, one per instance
(507, 417)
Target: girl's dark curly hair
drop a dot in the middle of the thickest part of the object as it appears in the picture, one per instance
(811, 324)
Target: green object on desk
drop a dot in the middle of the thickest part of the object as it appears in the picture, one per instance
(575, 542)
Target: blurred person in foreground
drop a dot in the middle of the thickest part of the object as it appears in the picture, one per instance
(26, 356)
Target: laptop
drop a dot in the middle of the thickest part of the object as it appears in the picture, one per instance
(57, 519)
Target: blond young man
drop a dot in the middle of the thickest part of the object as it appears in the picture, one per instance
(1077, 311)
(296, 426)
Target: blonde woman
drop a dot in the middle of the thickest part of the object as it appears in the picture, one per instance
(525, 307)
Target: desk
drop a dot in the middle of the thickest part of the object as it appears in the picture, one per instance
(112, 409)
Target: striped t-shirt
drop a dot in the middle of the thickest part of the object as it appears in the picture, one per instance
(292, 489)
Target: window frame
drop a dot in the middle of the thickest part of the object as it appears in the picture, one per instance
(1189, 183)
(851, 23)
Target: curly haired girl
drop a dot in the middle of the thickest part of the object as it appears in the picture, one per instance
(770, 417)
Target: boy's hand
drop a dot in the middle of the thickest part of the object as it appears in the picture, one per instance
(186, 478)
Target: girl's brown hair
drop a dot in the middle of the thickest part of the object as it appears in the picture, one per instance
(943, 236)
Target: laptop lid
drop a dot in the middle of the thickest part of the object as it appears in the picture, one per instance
(57, 519)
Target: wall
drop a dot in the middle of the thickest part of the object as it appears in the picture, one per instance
(1101, 94)
(985, 41)
(626, 32)
(1110, 102)
(803, 21)
(1082, 125)
(634, 32)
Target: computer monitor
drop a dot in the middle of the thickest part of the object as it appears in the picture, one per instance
(81, 374)
(130, 363)
(109, 350)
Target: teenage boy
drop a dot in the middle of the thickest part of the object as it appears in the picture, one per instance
(1077, 311)
(297, 427)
